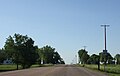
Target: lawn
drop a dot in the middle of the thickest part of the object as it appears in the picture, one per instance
(8, 67)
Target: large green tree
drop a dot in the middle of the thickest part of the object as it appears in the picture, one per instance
(80, 53)
(21, 49)
(94, 59)
(83, 56)
(48, 55)
(106, 57)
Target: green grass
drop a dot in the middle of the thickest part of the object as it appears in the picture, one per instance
(46, 65)
(112, 70)
(111, 74)
(4, 68)
(41, 65)
(8, 67)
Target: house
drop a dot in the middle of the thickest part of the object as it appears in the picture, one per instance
(8, 61)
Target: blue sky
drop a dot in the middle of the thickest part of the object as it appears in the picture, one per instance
(66, 25)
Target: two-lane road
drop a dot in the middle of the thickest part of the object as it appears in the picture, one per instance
(59, 70)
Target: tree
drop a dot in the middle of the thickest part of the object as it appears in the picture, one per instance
(106, 57)
(48, 55)
(41, 56)
(57, 58)
(62, 61)
(22, 50)
(80, 53)
(110, 58)
(9, 47)
(2, 56)
(10, 50)
(94, 59)
(117, 57)
(83, 56)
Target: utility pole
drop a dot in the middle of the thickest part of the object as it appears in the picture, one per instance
(105, 51)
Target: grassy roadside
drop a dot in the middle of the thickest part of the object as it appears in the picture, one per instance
(42, 65)
(9, 67)
(4, 68)
(111, 70)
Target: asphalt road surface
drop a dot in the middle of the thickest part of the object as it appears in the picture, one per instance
(58, 70)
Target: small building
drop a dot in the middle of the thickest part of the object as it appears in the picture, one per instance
(8, 61)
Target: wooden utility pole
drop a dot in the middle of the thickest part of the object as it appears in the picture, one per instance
(105, 51)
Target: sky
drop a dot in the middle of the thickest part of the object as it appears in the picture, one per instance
(66, 25)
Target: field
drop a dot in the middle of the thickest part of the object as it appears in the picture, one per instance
(112, 70)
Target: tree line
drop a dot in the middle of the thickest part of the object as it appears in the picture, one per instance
(22, 51)
(85, 58)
